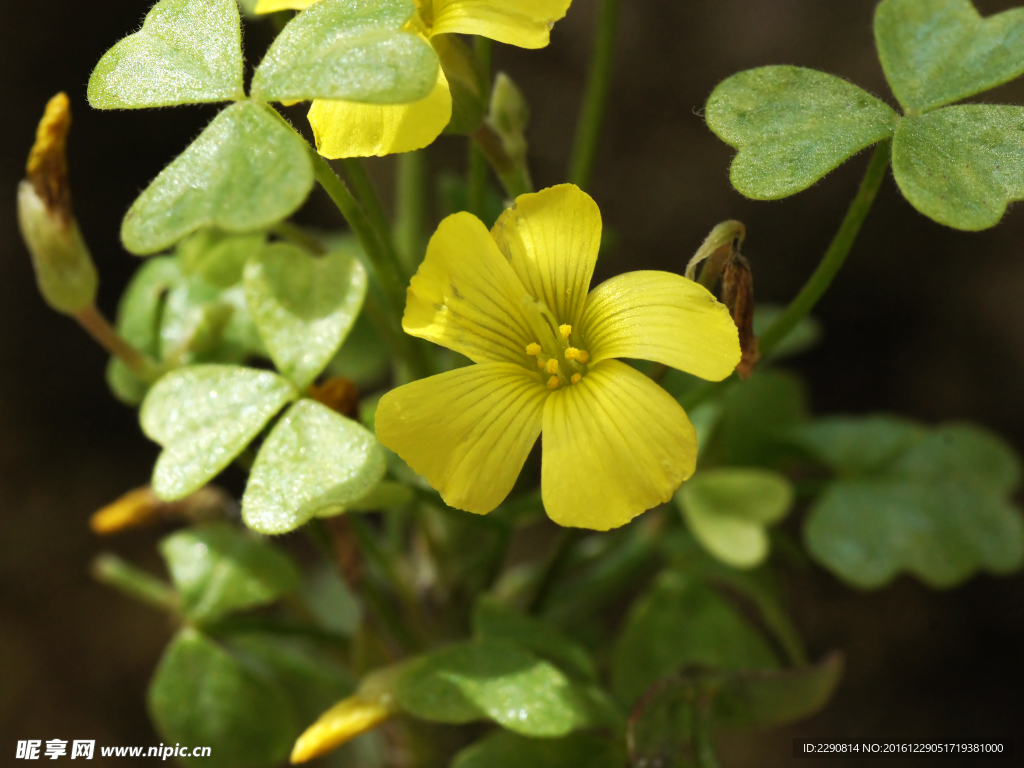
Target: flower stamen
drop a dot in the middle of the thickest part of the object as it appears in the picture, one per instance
(533, 349)
(576, 378)
(554, 382)
(552, 366)
(565, 330)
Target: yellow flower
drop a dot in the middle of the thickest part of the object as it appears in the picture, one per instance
(514, 300)
(352, 129)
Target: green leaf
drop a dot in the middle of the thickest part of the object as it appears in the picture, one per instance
(219, 569)
(859, 446)
(496, 680)
(348, 49)
(220, 181)
(662, 725)
(503, 749)
(677, 623)
(935, 52)
(929, 502)
(757, 416)
(494, 621)
(202, 695)
(314, 460)
(792, 126)
(312, 679)
(187, 52)
(331, 601)
(962, 166)
(304, 306)
(203, 417)
(728, 510)
(218, 258)
(138, 322)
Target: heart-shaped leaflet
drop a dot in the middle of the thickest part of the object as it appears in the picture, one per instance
(246, 171)
(935, 52)
(187, 52)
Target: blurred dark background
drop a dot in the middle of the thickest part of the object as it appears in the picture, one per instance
(923, 320)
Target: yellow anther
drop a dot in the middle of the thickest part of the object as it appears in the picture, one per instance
(540, 363)
(572, 353)
(575, 378)
(553, 382)
(582, 356)
(533, 349)
(551, 366)
(565, 330)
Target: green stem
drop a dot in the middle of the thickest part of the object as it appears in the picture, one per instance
(476, 188)
(822, 276)
(298, 236)
(554, 567)
(588, 129)
(703, 745)
(134, 582)
(97, 326)
(410, 209)
(368, 198)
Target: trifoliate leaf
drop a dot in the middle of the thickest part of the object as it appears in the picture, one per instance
(496, 680)
(187, 52)
(304, 306)
(204, 416)
(352, 50)
(935, 52)
(962, 166)
(679, 622)
(203, 695)
(728, 510)
(936, 507)
(246, 172)
(219, 569)
(792, 126)
(862, 446)
(138, 321)
(314, 460)
(756, 418)
(503, 749)
(363, 358)
(495, 621)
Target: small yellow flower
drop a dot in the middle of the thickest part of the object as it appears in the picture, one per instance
(352, 129)
(615, 443)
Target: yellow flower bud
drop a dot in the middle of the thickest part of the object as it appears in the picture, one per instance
(344, 721)
(64, 269)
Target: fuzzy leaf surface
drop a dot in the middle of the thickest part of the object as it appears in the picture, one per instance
(204, 416)
(187, 52)
(935, 52)
(304, 307)
(792, 126)
(246, 172)
(962, 165)
(351, 50)
(314, 461)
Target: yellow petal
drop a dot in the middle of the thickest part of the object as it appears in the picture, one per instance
(467, 432)
(342, 722)
(466, 297)
(662, 317)
(354, 129)
(615, 445)
(526, 23)
(269, 6)
(551, 238)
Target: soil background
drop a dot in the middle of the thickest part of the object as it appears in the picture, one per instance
(924, 321)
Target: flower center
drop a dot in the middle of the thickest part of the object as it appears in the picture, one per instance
(559, 362)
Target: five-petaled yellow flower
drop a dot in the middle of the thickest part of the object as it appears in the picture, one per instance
(514, 300)
(352, 129)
